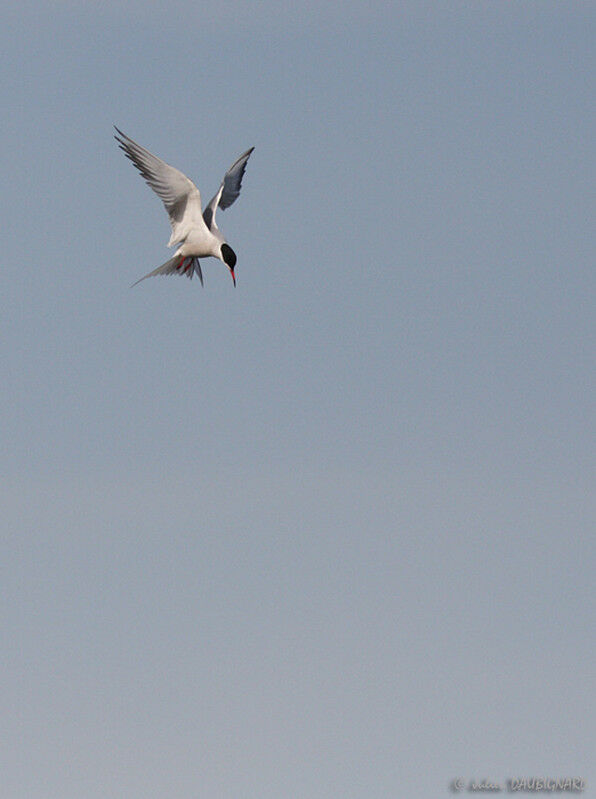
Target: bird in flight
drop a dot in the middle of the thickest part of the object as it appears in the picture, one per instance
(193, 230)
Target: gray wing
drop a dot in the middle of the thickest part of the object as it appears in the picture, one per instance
(170, 185)
(229, 190)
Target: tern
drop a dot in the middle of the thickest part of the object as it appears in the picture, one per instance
(193, 230)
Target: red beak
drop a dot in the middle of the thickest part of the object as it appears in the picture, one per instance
(233, 276)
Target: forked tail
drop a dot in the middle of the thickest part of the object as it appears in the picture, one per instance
(176, 266)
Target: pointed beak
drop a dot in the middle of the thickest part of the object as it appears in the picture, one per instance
(233, 276)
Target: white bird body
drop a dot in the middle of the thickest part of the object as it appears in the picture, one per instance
(195, 237)
(200, 243)
(193, 230)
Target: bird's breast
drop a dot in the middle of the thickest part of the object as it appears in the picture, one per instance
(200, 243)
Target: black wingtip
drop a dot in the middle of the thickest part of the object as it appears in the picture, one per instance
(121, 138)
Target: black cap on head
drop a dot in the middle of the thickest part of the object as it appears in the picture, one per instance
(229, 256)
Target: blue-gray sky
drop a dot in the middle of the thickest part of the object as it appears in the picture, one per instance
(327, 534)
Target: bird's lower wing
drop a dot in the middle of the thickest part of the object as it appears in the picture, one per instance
(229, 190)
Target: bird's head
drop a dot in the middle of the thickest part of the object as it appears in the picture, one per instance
(228, 256)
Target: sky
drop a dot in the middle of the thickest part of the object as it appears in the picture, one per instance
(329, 533)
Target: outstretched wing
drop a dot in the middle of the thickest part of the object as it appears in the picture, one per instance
(178, 193)
(229, 189)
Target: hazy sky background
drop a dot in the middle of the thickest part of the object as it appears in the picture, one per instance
(327, 534)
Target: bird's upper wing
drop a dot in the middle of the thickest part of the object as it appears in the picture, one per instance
(178, 193)
(229, 189)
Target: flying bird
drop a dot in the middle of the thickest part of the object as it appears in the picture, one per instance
(193, 230)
